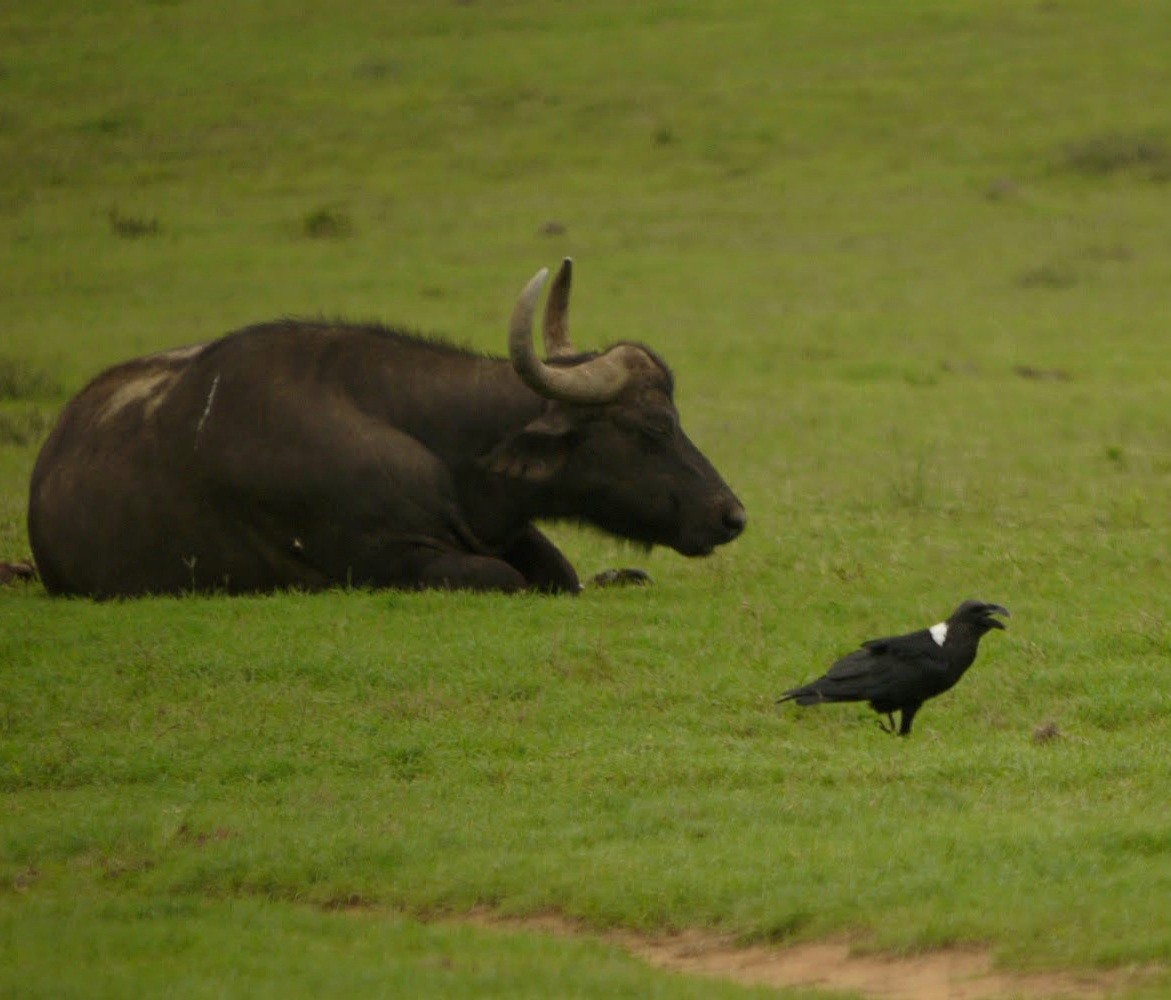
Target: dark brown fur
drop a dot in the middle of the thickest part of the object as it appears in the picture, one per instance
(311, 455)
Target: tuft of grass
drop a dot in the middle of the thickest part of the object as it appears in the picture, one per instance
(131, 227)
(21, 380)
(911, 487)
(1112, 153)
(327, 224)
(24, 427)
(1051, 274)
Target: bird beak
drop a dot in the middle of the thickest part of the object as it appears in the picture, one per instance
(995, 609)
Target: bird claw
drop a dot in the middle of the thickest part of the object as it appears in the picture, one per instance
(890, 729)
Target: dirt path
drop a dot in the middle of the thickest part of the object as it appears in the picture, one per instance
(952, 974)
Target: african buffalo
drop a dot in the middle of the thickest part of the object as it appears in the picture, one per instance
(314, 454)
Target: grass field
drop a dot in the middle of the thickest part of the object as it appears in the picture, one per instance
(911, 263)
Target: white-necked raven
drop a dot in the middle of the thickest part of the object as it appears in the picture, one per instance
(901, 672)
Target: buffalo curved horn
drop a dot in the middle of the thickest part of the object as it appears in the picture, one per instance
(556, 326)
(598, 380)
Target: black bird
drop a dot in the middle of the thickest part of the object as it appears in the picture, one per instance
(901, 672)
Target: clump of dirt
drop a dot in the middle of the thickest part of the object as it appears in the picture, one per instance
(11, 572)
(947, 974)
(952, 974)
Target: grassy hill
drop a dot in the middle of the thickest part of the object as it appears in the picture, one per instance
(911, 264)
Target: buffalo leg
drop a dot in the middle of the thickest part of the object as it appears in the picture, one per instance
(541, 563)
(459, 571)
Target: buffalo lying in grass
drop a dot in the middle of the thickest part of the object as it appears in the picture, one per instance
(312, 455)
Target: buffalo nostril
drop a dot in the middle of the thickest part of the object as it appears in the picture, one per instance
(735, 519)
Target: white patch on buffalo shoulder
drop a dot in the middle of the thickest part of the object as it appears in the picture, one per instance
(179, 353)
(149, 388)
(215, 382)
(938, 633)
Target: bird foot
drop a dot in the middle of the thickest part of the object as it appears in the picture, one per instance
(890, 729)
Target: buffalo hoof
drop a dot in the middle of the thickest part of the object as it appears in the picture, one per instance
(9, 572)
(621, 578)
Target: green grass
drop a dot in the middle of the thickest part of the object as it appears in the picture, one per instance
(193, 948)
(858, 232)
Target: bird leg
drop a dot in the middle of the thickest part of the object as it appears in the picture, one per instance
(889, 726)
(908, 714)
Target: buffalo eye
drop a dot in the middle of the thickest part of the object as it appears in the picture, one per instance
(657, 424)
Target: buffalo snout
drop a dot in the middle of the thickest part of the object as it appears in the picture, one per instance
(734, 519)
(721, 521)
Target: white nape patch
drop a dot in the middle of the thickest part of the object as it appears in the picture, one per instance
(938, 633)
(215, 383)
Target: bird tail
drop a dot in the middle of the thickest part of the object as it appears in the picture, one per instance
(807, 695)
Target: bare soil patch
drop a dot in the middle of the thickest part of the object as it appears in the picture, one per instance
(949, 974)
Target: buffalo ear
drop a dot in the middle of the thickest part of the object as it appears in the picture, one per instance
(536, 453)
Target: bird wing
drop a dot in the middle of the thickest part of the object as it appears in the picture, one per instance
(858, 675)
(895, 669)
(911, 642)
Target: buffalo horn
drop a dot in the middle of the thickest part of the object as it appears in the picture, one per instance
(598, 380)
(556, 325)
